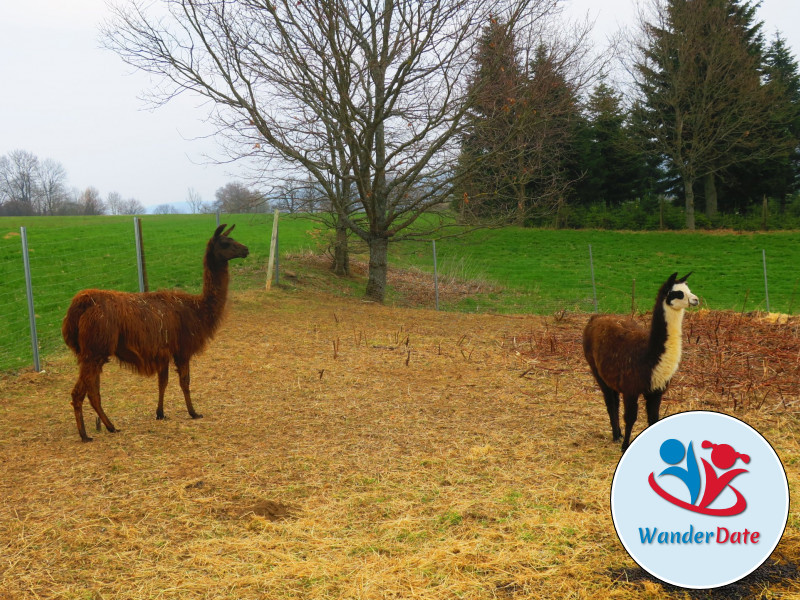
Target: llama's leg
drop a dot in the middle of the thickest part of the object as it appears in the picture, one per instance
(93, 390)
(612, 406)
(78, 394)
(631, 412)
(653, 403)
(88, 383)
(183, 374)
(163, 378)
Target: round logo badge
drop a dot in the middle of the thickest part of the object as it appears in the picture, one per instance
(700, 499)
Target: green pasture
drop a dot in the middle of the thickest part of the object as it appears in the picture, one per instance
(521, 270)
(544, 270)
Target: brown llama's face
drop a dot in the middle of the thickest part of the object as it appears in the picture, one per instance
(225, 247)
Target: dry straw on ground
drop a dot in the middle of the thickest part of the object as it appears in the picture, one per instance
(350, 450)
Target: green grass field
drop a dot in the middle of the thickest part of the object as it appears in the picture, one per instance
(525, 270)
(546, 270)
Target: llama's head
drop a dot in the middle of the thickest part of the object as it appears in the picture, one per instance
(223, 248)
(677, 294)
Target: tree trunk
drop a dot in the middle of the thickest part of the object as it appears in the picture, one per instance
(688, 186)
(378, 253)
(711, 195)
(341, 252)
(520, 216)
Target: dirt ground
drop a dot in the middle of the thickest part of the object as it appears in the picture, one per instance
(350, 450)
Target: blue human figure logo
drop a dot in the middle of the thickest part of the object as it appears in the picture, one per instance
(672, 452)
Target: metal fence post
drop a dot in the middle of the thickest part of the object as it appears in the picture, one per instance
(766, 288)
(594, 287)
(435, 275)
(137, 232)
(29, 291)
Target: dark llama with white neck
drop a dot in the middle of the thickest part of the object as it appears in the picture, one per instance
(145, 331)
(625, 358)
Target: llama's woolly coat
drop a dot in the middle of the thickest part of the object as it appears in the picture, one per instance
(143, 331)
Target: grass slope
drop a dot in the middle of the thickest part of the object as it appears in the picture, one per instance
(519, 270)
(550, 270)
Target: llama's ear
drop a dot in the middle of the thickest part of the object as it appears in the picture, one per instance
(227, 233)
(685, 277)
(218, 232)
(671, 279)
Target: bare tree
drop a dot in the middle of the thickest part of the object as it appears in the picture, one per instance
(292, 199)
(52, 179)
(365, 96)
(194, 200)
(91, 203)
(330, 206)
(31, 186)
(114, 203)
(165, 209)
(18, 182)
(235, 197)
(132, 206)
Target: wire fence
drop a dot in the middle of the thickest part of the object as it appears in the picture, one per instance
(517, 276)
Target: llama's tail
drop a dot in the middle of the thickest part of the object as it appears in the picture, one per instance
(69, 327)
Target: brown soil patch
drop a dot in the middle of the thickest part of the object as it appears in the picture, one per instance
(269, 509)
(348, 450)
(413, 287)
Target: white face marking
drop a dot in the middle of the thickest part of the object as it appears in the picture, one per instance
(684, 299)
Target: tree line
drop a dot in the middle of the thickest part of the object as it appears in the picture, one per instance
(30, 186)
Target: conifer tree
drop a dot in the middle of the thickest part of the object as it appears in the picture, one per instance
(779, 175)
(704, 105)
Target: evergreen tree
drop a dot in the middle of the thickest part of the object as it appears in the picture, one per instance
(779, 176)
(517, 146)
(484, 185)
(613, 169)
(704, 105)
(551, 130)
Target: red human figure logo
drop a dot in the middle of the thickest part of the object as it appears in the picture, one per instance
(724, 457)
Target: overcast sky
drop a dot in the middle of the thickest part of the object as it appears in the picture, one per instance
(64, 97)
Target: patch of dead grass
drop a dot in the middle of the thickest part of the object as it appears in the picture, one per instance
(412, 287)
(348, 450)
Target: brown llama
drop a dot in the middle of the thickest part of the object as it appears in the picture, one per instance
(625, 358)
(145, 331)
